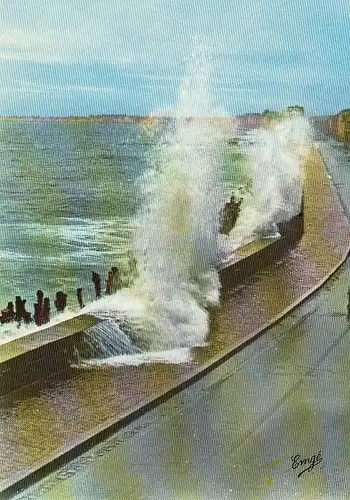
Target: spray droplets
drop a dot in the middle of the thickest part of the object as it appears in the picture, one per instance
(177, 235)
(276, 157)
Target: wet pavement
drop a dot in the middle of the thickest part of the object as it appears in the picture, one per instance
(232, 434)
(213, 437)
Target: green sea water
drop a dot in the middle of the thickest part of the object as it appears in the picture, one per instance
(68, 200)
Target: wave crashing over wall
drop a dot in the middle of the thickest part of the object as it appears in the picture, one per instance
(176, 239)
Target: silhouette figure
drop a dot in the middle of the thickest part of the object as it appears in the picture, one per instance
(38, 308)
(37, 319)
(116, 281)
(132, 267)
(46, 310)
(96, 279)
(27, 317)
(61, 301)
(7, 314)
(21, 314)
(19, 309)
(80, 297)
(40, 297)
(11, 312)
(109, 283)
(229, 215)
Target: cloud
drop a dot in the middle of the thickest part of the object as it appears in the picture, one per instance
(159, 34)
(101, 46)
(61, 33)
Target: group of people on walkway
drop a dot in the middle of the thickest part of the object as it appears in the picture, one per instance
(41, 309)
(16, 311)
(113, 282)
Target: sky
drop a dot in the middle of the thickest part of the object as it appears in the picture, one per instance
(82, 57)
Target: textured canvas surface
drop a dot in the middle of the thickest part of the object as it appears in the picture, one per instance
(174, 283)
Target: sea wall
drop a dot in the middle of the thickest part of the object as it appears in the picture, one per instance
(42, 353)
(337, 126)
(236, 273)
(52, 350)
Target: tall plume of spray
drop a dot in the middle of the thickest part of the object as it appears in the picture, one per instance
(276, 157)
(178, 225)
(176, 239)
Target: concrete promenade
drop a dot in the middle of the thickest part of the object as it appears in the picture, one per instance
(231, 435)
(44, 421)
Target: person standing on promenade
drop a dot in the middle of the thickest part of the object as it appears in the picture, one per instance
(19, 309)
(38, 308)
(80, 297)
(7, 314)
(116, 283)
(61, 301)
(109, 282)
(46, 310)
(96, 279)
(27, 317)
